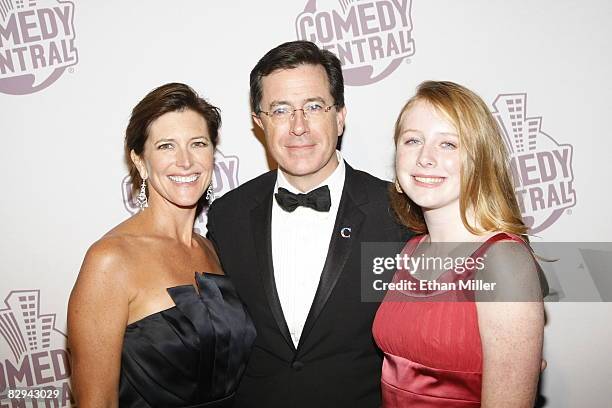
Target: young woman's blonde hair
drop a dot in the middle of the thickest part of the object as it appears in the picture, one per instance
(486, 185)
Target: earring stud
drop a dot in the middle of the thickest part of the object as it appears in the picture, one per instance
(398, 188)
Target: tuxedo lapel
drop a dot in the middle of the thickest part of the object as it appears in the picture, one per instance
(261, 224)
(343, 241)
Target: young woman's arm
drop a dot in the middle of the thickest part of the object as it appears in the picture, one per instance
(511, 323)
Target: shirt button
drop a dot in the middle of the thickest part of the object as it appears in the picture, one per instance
(297, 365)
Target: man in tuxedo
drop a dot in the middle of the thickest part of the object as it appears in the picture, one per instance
(290, 240)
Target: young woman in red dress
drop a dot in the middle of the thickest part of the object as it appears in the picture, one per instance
(459, 348)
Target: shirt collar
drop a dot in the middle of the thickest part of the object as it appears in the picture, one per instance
(335, 181)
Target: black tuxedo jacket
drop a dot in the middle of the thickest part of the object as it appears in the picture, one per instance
(336, 363)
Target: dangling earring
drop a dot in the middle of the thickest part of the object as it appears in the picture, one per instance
(398, 188)
(210, 193)
(143, 202)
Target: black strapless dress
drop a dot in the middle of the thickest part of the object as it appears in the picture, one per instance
(191, 355)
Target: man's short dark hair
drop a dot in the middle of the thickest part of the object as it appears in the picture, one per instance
(291, 55)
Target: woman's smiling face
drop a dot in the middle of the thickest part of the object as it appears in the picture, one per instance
(177, 159)
(427, 161)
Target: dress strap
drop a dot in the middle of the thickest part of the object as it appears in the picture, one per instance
(500, 236)
(412, 244)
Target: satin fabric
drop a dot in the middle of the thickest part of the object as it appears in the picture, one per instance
(191, 355)
(431, 342)
(406, 383)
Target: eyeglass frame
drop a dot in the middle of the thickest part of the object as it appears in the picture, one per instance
(304, 114)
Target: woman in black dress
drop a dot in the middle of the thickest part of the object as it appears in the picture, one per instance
(143, 332)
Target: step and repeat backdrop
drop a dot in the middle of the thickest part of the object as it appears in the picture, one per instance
(70, 72)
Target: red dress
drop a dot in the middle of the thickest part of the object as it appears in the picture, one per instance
(431, 342)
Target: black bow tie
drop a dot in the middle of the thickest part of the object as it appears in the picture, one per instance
(317, 199)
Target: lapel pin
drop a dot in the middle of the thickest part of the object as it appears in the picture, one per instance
(345, 232)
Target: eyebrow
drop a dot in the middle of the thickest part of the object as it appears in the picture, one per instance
(411, 130)
(174, 140)
(438, 133)
(312, 99)
(448, 134)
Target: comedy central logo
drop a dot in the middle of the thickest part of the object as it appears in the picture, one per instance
(370, 37)
(32, 352)
(36, 44)
(225, 178)
(541, 167)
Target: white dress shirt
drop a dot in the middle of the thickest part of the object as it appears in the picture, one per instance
(300, 242)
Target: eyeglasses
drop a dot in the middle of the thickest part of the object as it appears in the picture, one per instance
(284, 113)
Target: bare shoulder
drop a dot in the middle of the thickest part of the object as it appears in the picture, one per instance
(206, 244)
(513, 268)
(105, 270)
(114, 252)
(211, 254)
(510, 255)
(107, 256)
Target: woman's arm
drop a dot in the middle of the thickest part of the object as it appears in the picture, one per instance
(97, 317)
(512, 330)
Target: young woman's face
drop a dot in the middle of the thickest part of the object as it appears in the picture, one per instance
(427, 161)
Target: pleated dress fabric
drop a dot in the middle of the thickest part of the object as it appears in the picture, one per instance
(191, 355)
(431, 342)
